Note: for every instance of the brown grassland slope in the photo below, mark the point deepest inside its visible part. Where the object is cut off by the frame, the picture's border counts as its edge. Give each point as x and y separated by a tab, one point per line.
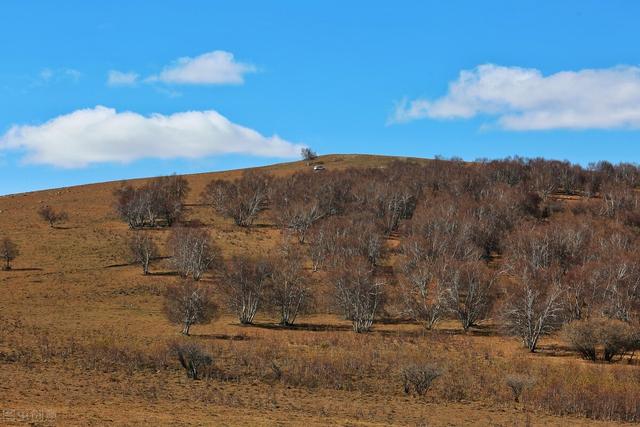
83	340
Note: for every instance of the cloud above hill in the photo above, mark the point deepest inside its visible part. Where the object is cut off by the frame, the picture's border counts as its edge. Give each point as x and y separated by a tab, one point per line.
524	99
103	135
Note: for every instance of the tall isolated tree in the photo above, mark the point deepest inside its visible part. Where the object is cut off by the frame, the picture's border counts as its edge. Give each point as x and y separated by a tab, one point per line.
8	252
308	154
142	249
245	283
189	303
193	252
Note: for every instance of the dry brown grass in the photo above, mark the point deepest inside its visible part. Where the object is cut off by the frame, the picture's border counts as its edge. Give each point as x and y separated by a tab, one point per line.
83	334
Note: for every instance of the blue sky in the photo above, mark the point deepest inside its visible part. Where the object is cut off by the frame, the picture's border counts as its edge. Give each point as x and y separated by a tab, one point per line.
258	79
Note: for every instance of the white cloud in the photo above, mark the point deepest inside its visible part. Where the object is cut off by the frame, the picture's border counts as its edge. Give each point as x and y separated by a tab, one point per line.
48	75
101	134
118	78
217	67
525	99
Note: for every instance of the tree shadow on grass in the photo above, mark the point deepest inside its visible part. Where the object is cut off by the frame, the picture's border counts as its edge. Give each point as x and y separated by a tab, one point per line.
225	337
312	327
162	273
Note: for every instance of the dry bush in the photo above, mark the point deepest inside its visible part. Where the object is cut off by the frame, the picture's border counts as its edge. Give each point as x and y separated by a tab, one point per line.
419	378
189	303
8	252
245	281
601	339
518	383
48	214
142	249
196	362
193	252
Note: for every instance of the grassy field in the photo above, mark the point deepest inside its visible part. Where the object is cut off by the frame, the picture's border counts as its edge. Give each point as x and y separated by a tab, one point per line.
82	338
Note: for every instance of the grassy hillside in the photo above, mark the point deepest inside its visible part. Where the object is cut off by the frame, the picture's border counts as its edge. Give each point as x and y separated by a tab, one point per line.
81	333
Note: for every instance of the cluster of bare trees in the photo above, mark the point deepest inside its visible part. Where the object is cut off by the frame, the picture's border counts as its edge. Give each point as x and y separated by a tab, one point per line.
192	251
242	199
158	203
464	241
565	272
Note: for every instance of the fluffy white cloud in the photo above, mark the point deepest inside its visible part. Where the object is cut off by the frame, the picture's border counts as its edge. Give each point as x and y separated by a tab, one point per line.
118	78
524	99
217	67
101	134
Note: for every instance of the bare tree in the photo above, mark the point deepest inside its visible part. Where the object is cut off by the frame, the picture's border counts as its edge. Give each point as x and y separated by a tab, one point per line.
193	252
288	291
189	303
131	206
8	252
533	307
241	200
467	289
421	293
51	216
244	281
620	286
142	249
359	293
